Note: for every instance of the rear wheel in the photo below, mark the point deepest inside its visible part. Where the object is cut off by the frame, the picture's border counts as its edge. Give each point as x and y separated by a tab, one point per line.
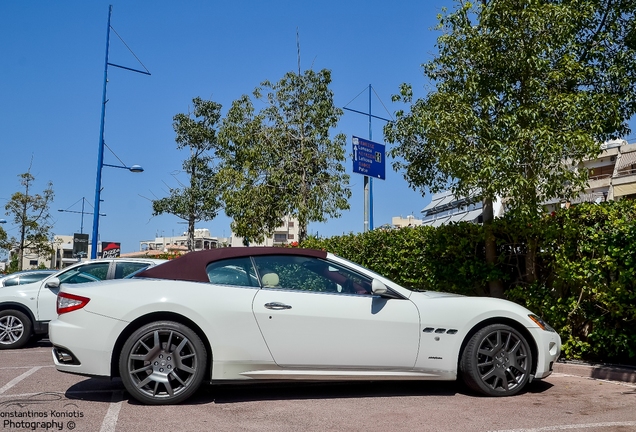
15	329
497	361
162	363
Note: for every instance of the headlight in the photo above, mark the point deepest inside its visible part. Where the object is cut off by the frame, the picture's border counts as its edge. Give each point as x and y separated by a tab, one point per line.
544	325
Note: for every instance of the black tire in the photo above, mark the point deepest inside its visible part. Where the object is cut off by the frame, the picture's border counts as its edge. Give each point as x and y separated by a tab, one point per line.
497	361
15	329
162	363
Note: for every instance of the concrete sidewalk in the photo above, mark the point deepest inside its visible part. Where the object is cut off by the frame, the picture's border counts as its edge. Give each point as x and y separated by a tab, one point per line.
606	372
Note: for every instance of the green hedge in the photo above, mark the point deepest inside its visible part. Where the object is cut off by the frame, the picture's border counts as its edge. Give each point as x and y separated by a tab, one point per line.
586	269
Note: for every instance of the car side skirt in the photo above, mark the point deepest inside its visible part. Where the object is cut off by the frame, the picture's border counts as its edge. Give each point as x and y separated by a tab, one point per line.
336	375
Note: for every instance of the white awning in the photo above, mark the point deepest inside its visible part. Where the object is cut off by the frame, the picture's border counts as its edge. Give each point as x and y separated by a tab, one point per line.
441	221
472	215
625	189
626	160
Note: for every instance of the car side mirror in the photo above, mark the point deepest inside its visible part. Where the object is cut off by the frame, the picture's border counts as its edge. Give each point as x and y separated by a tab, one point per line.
53	283
378	288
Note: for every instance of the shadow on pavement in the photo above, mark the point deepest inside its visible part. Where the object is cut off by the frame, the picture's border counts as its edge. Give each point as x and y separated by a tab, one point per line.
102	390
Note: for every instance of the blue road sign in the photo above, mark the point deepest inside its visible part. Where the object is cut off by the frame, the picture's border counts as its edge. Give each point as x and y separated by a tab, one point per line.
368	158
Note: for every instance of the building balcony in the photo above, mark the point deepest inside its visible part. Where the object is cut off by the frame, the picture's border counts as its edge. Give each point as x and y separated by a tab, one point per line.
599	181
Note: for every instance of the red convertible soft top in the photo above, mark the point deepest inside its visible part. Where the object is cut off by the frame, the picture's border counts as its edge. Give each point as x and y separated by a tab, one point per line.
191	266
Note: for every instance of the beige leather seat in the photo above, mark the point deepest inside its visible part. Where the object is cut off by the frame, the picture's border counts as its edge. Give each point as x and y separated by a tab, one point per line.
270	280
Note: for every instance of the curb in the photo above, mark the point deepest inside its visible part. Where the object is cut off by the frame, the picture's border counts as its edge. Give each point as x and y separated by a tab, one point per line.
611	373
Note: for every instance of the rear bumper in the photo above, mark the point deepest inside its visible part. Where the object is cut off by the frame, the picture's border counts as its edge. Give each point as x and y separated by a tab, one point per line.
83	342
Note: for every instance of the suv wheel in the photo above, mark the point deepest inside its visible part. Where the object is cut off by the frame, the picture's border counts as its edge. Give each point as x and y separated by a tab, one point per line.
15	329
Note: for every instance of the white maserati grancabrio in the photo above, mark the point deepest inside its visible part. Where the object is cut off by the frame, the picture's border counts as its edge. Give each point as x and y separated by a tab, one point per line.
289	314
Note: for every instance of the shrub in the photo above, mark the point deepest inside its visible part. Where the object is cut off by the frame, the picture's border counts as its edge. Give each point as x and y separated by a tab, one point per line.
585	283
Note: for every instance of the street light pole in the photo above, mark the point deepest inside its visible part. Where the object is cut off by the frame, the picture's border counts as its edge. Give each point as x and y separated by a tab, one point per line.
80	212
100	153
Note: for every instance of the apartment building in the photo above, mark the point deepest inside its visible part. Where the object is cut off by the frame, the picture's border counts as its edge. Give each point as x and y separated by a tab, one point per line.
612	176
285	234
162	244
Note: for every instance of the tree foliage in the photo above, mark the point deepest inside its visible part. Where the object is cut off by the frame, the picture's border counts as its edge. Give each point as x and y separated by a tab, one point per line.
523	91
200	198
586	273
281	160
30	214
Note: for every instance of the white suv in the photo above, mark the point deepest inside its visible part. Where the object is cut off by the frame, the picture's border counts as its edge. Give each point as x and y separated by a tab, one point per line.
25	310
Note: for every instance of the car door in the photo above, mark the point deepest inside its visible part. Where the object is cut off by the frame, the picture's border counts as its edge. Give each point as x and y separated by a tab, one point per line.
88	272
322	315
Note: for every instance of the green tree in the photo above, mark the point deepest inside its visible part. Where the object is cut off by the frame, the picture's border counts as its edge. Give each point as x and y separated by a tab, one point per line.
281	161
199	199
30	213
524	90
3	239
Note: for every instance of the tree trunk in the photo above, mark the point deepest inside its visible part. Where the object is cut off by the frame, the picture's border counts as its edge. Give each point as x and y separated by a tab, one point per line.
191	222
23	228
495	287
531	261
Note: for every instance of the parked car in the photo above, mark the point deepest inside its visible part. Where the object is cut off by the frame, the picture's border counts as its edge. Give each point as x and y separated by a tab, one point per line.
24	277
290	314
25	310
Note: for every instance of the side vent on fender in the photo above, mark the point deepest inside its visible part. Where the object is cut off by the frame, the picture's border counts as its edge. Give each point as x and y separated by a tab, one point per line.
439	330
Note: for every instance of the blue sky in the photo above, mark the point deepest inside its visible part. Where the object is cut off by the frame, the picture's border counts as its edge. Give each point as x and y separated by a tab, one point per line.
51	77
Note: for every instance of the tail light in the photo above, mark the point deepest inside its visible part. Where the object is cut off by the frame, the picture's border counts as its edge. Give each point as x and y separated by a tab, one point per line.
69	302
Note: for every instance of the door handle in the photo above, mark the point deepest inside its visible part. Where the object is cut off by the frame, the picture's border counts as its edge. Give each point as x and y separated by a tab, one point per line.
277	306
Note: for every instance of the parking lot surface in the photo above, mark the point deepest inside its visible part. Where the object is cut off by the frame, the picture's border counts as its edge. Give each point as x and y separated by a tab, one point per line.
34	396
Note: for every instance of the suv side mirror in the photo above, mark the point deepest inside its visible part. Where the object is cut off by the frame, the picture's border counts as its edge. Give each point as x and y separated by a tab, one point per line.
53	283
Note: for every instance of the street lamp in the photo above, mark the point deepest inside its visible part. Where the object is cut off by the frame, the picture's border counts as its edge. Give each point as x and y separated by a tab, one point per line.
100	154
98	191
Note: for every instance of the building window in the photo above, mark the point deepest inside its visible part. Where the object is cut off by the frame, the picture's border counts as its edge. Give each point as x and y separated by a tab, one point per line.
33	262
290	236
291	224
280	238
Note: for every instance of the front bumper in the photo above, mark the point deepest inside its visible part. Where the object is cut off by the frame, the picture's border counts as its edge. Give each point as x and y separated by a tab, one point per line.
548	350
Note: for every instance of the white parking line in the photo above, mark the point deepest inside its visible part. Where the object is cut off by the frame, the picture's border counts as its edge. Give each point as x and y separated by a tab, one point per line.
23	367
570	427
110	420
16	380
69	392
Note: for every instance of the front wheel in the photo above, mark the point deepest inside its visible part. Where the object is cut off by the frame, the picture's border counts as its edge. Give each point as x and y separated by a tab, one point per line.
162	363
15	329
497	361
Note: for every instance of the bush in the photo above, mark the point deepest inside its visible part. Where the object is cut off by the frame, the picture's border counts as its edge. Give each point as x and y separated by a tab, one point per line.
585	283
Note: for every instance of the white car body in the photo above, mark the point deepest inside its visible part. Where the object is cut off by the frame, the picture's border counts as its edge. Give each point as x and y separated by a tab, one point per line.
37	301
313	336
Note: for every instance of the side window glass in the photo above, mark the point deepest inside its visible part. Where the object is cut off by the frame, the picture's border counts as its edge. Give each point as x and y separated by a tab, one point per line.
30	278
12	281
236	271
309	274
86	273
25	279
123	269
